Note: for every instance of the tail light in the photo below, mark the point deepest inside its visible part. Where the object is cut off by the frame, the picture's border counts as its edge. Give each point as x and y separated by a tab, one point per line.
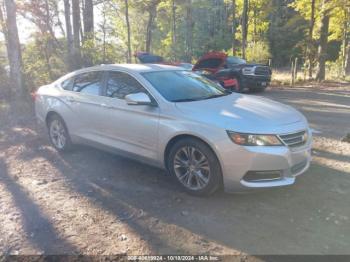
34	95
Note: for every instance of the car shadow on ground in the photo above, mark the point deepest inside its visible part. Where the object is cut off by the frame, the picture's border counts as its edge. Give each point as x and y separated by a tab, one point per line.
252	223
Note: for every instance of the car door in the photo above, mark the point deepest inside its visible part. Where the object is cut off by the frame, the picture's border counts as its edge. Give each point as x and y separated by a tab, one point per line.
131	128
87	103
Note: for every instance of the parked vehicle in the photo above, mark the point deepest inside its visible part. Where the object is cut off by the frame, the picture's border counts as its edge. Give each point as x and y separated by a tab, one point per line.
172	118
147	58
233	73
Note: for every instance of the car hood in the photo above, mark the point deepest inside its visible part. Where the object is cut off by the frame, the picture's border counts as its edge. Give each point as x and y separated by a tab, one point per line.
214	61
242	113
211	61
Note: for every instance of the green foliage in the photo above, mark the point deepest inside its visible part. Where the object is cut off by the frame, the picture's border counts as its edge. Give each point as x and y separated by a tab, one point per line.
258	52
277	29
41	65
286	33
334	68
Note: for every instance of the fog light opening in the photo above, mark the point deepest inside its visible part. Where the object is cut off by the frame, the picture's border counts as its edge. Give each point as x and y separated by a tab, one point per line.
260	176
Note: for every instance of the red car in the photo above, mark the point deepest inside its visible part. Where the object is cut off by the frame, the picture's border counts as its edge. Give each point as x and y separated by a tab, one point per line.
232	72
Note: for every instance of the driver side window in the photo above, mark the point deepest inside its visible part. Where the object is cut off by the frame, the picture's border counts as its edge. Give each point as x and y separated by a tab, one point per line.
119	84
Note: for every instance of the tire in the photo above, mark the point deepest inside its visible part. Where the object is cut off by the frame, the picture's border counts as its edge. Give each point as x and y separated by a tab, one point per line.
257	89
58	134
204	176
240	87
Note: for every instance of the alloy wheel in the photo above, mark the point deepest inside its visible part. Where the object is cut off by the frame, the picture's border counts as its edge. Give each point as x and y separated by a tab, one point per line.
58	134
192	168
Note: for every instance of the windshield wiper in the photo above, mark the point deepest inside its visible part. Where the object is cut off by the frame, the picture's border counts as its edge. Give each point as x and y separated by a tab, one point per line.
214	96
202	98
184	100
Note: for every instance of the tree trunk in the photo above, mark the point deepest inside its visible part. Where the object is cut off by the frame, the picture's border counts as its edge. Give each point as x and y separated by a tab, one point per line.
58	17
76	33
254	24
104	55
69	34
128	30
3	27
322	49
347	60
88	19
189	31
53	41
151	16
244	27
233	27
14	54
346	43
311	30
2	20
173	39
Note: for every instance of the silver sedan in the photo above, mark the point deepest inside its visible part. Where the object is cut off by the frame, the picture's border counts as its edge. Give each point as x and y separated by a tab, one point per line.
203	135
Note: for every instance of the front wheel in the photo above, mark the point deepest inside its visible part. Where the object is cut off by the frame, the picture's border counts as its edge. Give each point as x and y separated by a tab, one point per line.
58	134
195	167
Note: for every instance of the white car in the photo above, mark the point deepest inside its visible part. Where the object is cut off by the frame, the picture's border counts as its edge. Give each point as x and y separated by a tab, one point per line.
172	118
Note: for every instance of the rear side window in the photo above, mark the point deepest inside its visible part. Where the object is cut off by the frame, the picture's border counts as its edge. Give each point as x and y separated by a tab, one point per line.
121	84
67	84
88	83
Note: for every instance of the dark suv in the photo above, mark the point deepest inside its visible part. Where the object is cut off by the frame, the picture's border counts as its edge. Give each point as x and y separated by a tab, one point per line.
232	72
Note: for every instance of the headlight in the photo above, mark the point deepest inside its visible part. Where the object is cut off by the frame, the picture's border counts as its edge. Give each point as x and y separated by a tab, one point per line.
254	140
248	70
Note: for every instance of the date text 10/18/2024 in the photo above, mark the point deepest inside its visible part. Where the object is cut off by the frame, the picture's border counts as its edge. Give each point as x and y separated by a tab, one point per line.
174	258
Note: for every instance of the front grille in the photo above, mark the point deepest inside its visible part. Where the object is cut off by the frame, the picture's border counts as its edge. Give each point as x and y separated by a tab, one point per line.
294	139
262	71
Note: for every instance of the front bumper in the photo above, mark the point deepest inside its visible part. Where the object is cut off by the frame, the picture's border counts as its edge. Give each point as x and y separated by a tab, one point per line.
287	162
252	81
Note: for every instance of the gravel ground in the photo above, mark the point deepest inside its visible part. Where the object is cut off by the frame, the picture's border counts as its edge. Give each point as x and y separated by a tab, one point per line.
92	202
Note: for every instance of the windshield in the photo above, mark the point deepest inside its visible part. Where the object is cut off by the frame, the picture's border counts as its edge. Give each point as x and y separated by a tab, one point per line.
184	86
232	60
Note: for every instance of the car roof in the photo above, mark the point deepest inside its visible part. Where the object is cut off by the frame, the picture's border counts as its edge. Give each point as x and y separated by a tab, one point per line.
140	68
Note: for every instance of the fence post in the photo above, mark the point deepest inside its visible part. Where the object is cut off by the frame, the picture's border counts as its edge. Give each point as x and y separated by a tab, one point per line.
292	73
295	69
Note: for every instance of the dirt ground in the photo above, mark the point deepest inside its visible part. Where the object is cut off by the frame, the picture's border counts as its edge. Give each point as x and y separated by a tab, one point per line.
92	202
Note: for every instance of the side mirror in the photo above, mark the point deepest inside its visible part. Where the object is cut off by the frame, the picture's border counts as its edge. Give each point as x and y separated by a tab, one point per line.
138	99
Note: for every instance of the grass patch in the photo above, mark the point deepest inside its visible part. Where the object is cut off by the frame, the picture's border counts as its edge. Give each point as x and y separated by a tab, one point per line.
283	77
346	138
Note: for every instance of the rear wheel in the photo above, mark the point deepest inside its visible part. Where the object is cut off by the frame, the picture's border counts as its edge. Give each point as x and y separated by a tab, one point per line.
195	167
58	134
